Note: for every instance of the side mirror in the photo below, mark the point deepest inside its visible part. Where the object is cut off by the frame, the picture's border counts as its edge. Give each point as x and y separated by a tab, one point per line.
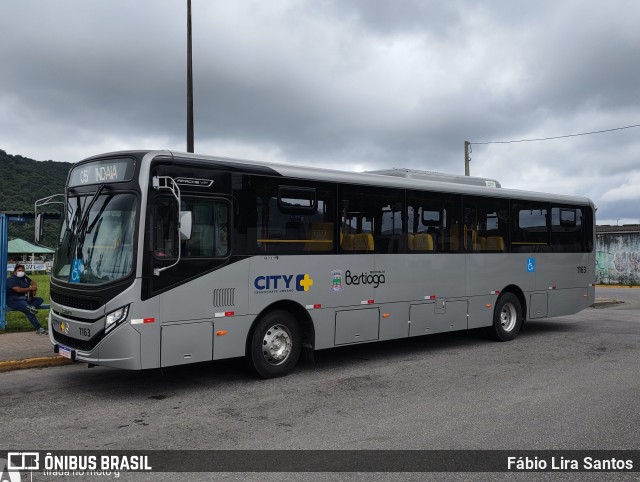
39	228
185	225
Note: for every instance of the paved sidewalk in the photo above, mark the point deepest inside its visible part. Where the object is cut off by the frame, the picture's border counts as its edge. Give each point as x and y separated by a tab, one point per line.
30	350
27	350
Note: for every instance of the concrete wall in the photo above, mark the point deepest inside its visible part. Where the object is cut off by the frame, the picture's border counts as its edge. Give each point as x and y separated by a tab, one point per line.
618	258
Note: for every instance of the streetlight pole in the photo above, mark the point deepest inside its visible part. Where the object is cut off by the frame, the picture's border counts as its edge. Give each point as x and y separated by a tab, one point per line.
189	83
466	158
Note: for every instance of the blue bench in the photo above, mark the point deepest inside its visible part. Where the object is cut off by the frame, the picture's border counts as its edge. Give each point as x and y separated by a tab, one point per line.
3	321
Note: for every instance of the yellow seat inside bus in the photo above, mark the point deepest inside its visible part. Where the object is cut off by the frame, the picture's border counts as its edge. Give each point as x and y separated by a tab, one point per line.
494	243
475	241
363	242
421	242
321	237
357	242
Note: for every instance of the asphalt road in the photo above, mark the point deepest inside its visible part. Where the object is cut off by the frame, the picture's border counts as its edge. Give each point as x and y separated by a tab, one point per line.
564	383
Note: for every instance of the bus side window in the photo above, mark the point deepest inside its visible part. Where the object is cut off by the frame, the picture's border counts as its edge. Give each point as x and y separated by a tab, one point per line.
530	232
291	218
486	224
566	230
165	232
371	220
432	222
209	232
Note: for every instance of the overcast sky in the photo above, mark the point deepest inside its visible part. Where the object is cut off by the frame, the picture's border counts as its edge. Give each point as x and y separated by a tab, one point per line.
355	85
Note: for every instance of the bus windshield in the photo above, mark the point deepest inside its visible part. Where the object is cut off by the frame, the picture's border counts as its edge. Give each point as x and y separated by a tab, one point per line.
97	238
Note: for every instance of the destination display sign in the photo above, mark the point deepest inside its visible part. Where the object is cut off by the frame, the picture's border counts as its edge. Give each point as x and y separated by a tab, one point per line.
103	171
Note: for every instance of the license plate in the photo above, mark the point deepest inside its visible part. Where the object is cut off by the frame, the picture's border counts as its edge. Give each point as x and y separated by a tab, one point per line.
65	352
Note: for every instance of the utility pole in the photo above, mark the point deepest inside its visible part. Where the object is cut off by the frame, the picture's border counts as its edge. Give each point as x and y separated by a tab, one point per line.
189	83
466	158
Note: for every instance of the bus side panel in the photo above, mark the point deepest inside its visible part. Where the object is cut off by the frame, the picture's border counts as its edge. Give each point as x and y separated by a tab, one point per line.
188	302
346	280
562	270
324	326
422	317
566	278
416	277
538	305
568	301
320	284
230	336
149	332
481	310
492	272
183	343
394	320
451	315
189	311
198	299
413	279
356	326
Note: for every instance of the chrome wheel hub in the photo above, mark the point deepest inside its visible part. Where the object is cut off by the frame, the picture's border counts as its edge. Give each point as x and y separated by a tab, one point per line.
508	317
276	344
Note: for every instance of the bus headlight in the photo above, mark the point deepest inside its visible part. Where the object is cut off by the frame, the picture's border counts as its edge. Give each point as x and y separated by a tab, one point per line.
115	318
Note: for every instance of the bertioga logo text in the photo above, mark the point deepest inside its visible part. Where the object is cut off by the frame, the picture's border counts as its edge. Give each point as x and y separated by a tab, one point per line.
375	278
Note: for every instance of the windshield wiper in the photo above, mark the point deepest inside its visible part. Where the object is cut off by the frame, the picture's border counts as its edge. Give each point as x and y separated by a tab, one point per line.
85	217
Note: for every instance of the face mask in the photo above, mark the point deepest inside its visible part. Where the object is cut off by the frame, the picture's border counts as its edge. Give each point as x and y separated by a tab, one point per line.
20	274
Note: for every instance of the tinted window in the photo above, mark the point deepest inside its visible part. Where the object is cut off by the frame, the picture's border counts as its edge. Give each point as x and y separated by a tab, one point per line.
297	217
567	229
371	220
530	231
486	224
209	234
433	222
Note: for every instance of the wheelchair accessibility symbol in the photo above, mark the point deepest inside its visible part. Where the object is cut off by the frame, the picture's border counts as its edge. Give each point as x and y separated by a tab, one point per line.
531	265
76	271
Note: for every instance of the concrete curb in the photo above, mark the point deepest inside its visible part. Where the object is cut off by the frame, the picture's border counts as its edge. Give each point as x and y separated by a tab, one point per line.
605	303
41	362
622	287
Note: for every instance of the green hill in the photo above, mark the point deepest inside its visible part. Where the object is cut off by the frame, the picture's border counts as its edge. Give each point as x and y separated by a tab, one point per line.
22	182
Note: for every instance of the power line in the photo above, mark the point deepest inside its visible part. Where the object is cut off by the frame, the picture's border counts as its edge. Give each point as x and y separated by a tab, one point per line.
557	137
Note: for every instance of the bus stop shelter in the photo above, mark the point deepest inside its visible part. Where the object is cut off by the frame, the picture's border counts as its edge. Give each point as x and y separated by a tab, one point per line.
17	246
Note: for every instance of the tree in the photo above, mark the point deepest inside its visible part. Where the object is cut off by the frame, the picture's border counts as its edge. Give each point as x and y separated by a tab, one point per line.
24	181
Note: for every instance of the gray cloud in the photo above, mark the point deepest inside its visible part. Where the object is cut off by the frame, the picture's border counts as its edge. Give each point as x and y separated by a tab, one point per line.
354	84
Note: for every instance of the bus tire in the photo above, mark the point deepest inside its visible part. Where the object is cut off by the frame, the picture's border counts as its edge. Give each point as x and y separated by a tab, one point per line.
275	345
507	318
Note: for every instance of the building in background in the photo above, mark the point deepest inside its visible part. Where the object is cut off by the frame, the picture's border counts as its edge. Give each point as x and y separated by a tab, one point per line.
618	255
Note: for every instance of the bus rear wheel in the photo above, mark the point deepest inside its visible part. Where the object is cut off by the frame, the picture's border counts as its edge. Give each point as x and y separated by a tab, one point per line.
507	318
275	345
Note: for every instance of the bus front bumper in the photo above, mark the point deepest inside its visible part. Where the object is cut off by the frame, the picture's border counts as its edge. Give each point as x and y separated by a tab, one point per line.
119	349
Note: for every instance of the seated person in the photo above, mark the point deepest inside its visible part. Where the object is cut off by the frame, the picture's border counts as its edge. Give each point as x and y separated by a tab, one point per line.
21	291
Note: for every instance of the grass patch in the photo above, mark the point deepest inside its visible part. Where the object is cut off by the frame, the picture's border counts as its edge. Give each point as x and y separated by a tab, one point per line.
17	321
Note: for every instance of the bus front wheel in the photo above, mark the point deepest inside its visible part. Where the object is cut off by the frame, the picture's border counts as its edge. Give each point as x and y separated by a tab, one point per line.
275	345
507	318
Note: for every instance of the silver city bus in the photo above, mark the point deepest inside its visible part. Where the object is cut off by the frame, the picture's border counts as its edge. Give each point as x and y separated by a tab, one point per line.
168	258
